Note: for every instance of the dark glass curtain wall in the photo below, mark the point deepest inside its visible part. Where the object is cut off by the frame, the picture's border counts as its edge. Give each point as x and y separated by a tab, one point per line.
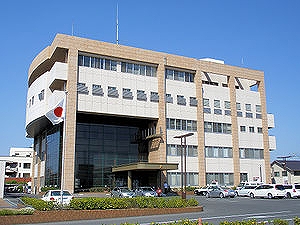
98	148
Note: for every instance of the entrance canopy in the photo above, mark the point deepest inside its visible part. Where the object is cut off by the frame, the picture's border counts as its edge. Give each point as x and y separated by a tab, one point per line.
145	166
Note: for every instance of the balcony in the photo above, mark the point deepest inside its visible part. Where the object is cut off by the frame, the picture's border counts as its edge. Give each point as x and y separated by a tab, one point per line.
272	143
271	123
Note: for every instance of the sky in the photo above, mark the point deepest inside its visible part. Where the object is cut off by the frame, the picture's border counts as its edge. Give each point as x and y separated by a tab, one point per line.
257	34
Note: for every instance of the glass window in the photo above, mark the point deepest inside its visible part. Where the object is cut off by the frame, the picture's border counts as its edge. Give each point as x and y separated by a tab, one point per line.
183	122
217	104
107	64
251	129
180	76
86	61
259	130
169	74
258	108
148	71
248	107
205	102
243	128
129	67
238	106
142	70
239	114
136	69
227	105
172	124
217	127
208	127
249	115
178	124
80	60
113	65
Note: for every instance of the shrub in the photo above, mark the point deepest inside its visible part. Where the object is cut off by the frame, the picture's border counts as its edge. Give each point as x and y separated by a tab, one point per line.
10	212
296	220
44	189
280	222
99	189
39	204
125	203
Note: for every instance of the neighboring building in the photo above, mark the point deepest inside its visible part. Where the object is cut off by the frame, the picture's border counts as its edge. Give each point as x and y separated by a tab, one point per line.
125	105
18	163
286	171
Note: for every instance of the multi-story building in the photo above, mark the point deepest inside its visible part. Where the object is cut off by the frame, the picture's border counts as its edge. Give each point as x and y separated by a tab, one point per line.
124	108
18	163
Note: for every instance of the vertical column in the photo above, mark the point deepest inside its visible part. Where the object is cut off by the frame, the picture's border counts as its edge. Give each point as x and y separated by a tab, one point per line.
160	154
70	120
200	129
234	130
261	90
2	178
129	179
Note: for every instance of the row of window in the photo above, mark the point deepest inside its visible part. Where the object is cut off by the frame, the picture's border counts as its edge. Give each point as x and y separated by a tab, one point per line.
214	127
108	64
179	75
175	150
179	124
251	129
227	105
113	92
216	152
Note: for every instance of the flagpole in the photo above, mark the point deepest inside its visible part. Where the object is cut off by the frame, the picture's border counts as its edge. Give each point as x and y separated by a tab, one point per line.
63	148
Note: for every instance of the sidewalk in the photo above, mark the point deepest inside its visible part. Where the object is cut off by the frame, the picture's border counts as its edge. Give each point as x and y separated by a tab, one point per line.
5	204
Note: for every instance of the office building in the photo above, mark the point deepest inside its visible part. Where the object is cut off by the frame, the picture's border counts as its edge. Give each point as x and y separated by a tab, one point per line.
125	105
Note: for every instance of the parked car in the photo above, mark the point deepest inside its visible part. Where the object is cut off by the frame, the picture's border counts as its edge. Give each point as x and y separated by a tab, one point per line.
145	191
55	196
219	192
203	190
268	191
292	190
244	191
122	192
250	183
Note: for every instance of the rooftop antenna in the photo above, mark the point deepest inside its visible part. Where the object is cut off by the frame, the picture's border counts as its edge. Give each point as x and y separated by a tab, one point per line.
117	20
72	29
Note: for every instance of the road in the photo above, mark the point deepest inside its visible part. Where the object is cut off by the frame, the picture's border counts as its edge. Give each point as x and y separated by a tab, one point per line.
216	210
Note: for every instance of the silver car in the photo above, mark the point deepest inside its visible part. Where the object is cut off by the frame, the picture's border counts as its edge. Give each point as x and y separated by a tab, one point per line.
145	191
219	192
122	192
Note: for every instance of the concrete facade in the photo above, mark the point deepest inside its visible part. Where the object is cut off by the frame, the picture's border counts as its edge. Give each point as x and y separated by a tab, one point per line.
214	81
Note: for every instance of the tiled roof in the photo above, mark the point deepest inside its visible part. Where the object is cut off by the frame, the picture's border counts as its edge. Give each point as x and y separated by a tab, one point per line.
291	165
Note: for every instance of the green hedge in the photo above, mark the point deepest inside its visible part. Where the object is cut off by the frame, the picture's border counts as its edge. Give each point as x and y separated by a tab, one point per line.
113	203
39	204
11	212
125	203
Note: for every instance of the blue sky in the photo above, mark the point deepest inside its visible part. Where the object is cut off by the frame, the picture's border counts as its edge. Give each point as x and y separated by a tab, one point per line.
256	34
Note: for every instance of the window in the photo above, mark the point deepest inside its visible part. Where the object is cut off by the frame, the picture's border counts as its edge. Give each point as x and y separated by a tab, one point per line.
284	173
227	105
276	174
169	98
42	95
250	153
243	128
258	108
259	130
179	75
112	92
248	107
97	90
193	101
82	88
154	97
206	102
239	114
258	116
179	124
127	94
238	106
207	110
217	104
249	115
181	100
141	95
218	152
208	127
251	129
218	111
26	166
227	112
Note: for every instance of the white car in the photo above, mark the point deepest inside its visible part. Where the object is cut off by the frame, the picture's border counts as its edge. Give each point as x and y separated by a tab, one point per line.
203	190
145	191
244	191
55	196
122	192
268	191
292	190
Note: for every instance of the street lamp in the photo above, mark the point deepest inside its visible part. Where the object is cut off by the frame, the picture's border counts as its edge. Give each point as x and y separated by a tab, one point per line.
183	156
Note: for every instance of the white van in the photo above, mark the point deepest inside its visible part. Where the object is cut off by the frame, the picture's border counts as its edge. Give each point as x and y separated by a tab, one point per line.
249	183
